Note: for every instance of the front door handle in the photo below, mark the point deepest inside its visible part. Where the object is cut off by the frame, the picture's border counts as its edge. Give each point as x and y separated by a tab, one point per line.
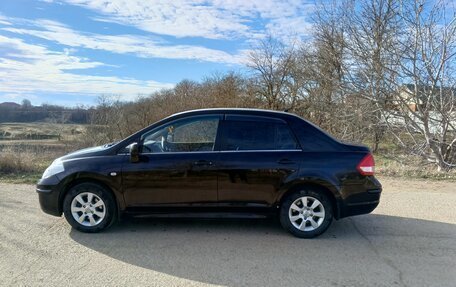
285	161
202	162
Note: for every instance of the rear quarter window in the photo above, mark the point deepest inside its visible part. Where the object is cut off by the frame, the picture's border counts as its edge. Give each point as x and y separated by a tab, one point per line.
313	139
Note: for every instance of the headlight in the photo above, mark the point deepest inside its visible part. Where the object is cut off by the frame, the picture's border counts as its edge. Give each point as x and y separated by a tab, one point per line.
55	168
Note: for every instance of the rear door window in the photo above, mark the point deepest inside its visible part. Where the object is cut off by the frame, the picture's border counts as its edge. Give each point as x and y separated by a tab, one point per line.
248	134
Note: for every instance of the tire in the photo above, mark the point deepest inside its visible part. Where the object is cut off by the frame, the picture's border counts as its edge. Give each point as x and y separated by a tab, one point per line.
306	222
89	207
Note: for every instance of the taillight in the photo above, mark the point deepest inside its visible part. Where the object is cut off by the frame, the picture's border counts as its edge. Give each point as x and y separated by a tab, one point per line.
367	165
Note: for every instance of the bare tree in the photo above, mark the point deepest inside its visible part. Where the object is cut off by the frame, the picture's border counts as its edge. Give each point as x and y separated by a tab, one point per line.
107	121
427	105
323	66
226	90
373	29
26	104
271	62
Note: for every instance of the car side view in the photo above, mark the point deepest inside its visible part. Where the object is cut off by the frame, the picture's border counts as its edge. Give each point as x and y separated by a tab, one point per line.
216	163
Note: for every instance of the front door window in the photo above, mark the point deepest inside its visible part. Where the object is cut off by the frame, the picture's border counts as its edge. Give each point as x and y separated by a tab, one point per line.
188	135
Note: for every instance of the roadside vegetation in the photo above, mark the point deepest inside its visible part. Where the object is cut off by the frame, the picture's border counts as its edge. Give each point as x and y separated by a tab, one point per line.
30	147
377	72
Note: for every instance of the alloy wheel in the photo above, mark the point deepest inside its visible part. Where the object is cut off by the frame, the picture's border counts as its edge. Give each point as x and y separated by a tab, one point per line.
88	209
306	213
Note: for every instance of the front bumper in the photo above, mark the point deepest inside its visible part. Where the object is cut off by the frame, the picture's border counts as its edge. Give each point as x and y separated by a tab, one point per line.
49	195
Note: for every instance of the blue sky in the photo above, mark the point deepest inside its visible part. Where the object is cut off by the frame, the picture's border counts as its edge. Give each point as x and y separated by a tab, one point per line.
71	51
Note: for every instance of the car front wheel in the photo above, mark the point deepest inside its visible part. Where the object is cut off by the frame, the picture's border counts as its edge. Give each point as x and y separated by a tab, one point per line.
306	213
89	207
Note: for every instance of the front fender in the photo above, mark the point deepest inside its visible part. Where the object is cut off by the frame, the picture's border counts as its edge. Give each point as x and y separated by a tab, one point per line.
113	183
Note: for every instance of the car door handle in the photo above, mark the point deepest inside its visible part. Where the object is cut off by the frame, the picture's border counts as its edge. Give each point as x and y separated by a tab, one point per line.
202	162
285	161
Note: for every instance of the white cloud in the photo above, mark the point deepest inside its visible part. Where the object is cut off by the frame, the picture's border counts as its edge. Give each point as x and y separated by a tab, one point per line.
295	29
178	18
217	19
27	69
19	96
147	47
4	20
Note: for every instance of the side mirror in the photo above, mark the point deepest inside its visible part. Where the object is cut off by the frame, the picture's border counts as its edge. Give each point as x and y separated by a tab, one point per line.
134	152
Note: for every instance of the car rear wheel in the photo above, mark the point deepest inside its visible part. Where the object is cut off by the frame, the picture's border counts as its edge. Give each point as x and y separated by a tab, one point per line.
306	213
89	207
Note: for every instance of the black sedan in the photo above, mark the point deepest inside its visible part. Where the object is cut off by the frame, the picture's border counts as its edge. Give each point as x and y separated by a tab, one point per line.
216	163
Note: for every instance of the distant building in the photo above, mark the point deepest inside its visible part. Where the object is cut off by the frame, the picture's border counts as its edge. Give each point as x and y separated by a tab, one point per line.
424	98
409	104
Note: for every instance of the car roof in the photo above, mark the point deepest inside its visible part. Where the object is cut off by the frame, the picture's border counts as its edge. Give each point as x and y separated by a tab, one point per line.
245	111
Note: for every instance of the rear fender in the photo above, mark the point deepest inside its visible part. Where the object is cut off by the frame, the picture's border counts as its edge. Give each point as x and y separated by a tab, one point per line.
331	189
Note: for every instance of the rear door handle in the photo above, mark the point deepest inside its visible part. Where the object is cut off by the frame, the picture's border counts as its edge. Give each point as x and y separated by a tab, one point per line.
202	162
285	161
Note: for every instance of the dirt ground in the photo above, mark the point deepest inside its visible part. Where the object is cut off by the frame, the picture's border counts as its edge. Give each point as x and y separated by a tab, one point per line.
409	240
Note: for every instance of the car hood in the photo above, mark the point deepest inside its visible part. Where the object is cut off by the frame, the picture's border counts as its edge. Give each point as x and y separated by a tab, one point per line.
87	152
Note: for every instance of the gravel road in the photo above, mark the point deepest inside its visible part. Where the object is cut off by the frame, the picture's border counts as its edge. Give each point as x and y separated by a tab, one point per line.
409	240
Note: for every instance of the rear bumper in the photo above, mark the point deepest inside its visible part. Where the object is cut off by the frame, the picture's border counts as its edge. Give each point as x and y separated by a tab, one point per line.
49	196
361	199
359	208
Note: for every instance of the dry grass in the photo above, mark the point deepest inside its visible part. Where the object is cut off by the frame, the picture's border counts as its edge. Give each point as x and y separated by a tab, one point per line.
22	167
23	159
10	163
407	166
